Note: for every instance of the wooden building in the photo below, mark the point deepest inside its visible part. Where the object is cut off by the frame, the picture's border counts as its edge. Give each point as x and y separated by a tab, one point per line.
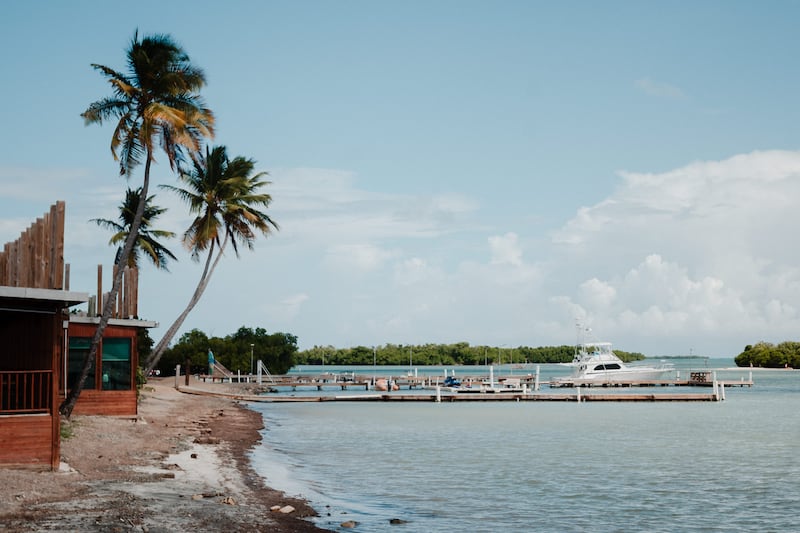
34	299
110	388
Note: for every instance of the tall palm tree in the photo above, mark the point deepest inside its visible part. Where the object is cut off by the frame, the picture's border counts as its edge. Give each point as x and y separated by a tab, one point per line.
156	105
147	241
225	197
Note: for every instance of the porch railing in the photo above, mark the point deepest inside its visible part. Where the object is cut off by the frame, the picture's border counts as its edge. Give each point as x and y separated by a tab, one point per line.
25	392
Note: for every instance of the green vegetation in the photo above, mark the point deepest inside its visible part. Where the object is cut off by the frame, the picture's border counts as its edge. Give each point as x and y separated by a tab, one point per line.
279	352
276	350
67	429
442	354
157	107
767	355
225	197
147	242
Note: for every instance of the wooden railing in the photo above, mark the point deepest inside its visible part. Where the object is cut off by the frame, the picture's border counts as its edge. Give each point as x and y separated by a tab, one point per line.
25	392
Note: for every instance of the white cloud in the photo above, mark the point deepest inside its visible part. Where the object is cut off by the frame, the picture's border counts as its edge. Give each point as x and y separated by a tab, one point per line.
414	271
598	294
505	249
713	242
701	256
328	207
659	89
360	257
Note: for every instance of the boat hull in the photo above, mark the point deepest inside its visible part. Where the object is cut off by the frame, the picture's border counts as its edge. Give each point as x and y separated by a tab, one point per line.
622	376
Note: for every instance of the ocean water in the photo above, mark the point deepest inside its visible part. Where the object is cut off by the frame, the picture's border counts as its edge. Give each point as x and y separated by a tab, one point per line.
540	466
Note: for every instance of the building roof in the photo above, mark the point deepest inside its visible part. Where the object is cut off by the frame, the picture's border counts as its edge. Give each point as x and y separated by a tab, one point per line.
45	300
130	322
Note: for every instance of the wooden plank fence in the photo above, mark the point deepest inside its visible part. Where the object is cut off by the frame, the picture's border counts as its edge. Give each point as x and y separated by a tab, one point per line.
36	259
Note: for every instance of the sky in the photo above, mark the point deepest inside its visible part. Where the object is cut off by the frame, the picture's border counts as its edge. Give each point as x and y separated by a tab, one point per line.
443	171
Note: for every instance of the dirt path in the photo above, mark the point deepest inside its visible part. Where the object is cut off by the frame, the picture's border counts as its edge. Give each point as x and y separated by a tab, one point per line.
179	466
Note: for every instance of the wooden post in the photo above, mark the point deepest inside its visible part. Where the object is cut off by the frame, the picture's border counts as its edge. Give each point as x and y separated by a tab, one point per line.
100	298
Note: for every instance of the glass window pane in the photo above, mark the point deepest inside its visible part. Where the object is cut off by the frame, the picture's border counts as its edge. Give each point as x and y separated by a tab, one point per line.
78	350
116	349
116	364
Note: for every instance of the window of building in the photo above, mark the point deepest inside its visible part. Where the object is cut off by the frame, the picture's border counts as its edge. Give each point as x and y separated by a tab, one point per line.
78	350
116	364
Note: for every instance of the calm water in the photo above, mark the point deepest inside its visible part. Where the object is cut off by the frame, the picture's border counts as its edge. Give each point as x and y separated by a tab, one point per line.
541	466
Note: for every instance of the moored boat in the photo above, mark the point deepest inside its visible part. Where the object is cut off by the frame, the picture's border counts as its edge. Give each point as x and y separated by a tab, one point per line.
596	362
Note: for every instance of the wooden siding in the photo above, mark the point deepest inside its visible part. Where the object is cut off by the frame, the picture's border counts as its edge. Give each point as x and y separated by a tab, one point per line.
27	440
36	259
107	403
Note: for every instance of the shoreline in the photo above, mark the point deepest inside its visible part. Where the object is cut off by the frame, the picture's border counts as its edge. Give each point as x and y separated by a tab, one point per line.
182	464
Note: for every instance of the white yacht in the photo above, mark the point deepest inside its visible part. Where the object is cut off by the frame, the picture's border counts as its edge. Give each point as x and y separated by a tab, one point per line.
596	362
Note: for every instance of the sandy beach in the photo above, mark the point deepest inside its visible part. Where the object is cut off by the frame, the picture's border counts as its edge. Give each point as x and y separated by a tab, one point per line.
181	465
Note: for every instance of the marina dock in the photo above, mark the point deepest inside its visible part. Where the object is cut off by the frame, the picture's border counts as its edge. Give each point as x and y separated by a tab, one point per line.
468	382
474	388
440	397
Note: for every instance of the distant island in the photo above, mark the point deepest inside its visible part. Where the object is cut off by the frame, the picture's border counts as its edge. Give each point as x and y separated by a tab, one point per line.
460	353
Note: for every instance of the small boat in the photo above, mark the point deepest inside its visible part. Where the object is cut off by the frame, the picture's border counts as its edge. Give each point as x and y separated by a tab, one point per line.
386	385
596	362
451	381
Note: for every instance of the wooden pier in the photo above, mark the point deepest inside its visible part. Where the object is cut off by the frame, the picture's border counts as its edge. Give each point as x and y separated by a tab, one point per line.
442	397
470	383
517	388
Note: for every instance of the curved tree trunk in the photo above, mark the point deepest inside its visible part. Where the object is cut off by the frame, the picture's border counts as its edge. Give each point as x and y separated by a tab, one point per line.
108	307
162	345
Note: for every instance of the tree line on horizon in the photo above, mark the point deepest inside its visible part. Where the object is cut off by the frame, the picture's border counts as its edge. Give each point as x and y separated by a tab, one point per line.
236	351
279	352
460	353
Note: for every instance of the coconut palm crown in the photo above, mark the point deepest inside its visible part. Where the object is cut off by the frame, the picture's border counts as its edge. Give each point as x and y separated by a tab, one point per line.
224	195
156	103
226	198
147	241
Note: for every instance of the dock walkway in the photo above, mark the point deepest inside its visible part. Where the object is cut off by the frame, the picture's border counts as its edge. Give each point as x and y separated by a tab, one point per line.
439	396
473	388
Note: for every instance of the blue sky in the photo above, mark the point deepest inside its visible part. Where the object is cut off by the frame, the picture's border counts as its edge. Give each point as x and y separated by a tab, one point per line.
452	170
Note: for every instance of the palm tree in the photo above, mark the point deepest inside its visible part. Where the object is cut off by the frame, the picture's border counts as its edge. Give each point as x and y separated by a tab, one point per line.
146	242
156	104
225	198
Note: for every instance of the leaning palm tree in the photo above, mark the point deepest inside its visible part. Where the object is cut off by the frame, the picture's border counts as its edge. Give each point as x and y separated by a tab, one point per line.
156	104
225	197
147	241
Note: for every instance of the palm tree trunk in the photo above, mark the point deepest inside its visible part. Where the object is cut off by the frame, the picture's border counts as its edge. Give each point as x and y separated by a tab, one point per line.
108	307
208	270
